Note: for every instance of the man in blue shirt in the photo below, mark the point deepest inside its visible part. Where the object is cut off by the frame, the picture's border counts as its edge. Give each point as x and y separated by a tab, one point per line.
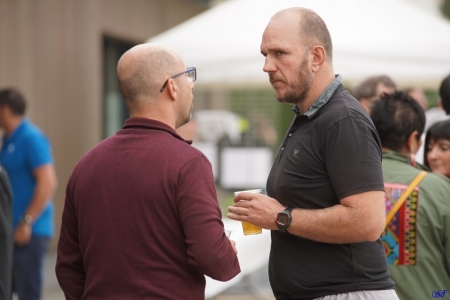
27	157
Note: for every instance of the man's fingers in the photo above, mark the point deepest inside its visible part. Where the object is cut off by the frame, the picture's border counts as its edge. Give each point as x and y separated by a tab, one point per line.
237	213
243	203
244	196
238	210
233	217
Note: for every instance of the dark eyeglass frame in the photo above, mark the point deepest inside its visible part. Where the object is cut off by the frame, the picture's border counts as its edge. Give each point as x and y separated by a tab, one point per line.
188	70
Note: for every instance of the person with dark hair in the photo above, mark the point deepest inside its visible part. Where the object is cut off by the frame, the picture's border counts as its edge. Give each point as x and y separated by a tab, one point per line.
6	238
437	148
26	155
141	218
325	199
442	111
436	114
407	121
444	95
371	89
416	238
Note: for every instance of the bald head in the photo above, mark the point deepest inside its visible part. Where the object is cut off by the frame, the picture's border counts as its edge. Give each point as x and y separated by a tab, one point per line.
312	29
141	72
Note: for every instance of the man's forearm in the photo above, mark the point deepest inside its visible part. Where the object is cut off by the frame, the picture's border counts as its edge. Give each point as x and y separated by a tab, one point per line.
337	224
340	223
44	189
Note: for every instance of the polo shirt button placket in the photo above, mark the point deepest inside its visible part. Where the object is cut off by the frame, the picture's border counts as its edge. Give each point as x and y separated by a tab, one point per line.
290	134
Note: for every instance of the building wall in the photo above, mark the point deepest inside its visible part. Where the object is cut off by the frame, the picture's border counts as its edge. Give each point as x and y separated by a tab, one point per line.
52	51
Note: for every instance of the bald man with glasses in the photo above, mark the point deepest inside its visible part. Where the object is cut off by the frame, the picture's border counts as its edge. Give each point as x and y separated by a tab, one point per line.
141	218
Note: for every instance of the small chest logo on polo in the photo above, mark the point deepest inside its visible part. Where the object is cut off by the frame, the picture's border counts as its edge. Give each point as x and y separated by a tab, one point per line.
296	151
11	148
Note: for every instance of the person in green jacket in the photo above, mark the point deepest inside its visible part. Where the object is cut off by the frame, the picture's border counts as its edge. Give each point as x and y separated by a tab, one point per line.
417	238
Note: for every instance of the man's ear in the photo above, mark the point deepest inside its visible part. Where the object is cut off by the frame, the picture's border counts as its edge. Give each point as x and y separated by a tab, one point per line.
319	56
413	143
173	88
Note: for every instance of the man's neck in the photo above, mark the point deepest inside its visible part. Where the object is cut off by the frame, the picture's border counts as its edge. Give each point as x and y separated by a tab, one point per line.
319	85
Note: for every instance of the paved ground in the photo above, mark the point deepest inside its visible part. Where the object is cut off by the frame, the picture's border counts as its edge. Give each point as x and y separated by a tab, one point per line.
52	291
253	287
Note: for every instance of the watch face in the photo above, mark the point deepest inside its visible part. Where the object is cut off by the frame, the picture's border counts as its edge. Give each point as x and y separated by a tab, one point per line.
282	219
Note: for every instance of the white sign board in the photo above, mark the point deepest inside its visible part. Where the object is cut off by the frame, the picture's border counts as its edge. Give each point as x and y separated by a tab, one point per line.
245	167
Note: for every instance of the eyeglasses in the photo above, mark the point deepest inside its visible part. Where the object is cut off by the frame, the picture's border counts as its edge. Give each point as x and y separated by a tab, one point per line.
191	75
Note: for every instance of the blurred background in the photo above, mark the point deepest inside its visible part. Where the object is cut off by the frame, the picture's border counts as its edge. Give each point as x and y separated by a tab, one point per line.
62	54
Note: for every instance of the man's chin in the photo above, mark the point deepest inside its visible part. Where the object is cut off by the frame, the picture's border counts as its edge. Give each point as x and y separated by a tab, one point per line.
279	95
283	98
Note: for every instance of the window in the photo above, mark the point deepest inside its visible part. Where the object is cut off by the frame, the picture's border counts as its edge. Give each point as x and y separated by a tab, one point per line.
114	110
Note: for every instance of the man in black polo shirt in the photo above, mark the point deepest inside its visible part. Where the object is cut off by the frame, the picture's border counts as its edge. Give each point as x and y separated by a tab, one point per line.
326	207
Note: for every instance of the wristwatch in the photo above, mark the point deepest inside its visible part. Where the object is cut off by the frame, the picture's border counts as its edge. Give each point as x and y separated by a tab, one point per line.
284	219
27	219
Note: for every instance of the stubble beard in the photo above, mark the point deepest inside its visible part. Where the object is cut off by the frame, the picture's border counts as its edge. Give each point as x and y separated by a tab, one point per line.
187	118
190	113
301	88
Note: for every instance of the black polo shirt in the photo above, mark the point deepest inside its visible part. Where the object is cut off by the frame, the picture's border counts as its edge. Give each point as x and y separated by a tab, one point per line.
331	152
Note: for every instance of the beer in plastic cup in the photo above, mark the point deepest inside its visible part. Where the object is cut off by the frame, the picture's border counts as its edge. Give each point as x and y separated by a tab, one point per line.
246	226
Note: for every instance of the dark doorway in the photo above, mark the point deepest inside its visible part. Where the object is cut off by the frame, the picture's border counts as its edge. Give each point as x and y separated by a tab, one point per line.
114	110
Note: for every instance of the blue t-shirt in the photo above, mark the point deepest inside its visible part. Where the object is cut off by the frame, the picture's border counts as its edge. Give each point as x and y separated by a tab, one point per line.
23	151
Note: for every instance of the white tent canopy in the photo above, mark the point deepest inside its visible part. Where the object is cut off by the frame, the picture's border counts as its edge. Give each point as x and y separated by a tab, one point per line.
389	37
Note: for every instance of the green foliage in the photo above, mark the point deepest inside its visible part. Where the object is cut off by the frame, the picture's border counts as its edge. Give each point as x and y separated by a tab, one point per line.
446	8
432	96
226	200
262	102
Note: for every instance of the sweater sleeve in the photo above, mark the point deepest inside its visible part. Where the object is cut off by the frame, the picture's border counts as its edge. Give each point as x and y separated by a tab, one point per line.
209	250
69	265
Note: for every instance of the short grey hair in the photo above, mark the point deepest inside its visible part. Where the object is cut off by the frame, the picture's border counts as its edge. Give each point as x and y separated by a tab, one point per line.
313	29
368	87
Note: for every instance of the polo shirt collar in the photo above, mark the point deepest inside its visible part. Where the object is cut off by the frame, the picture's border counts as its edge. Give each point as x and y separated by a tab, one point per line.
323	98
144	123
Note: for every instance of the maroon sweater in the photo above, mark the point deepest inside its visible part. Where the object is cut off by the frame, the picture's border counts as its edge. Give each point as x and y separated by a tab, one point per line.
141	220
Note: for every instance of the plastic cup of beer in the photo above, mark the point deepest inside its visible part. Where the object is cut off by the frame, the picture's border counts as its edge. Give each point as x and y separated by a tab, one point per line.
249	228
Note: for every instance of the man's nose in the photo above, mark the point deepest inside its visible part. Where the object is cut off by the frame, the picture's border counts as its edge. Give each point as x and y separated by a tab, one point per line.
269	66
